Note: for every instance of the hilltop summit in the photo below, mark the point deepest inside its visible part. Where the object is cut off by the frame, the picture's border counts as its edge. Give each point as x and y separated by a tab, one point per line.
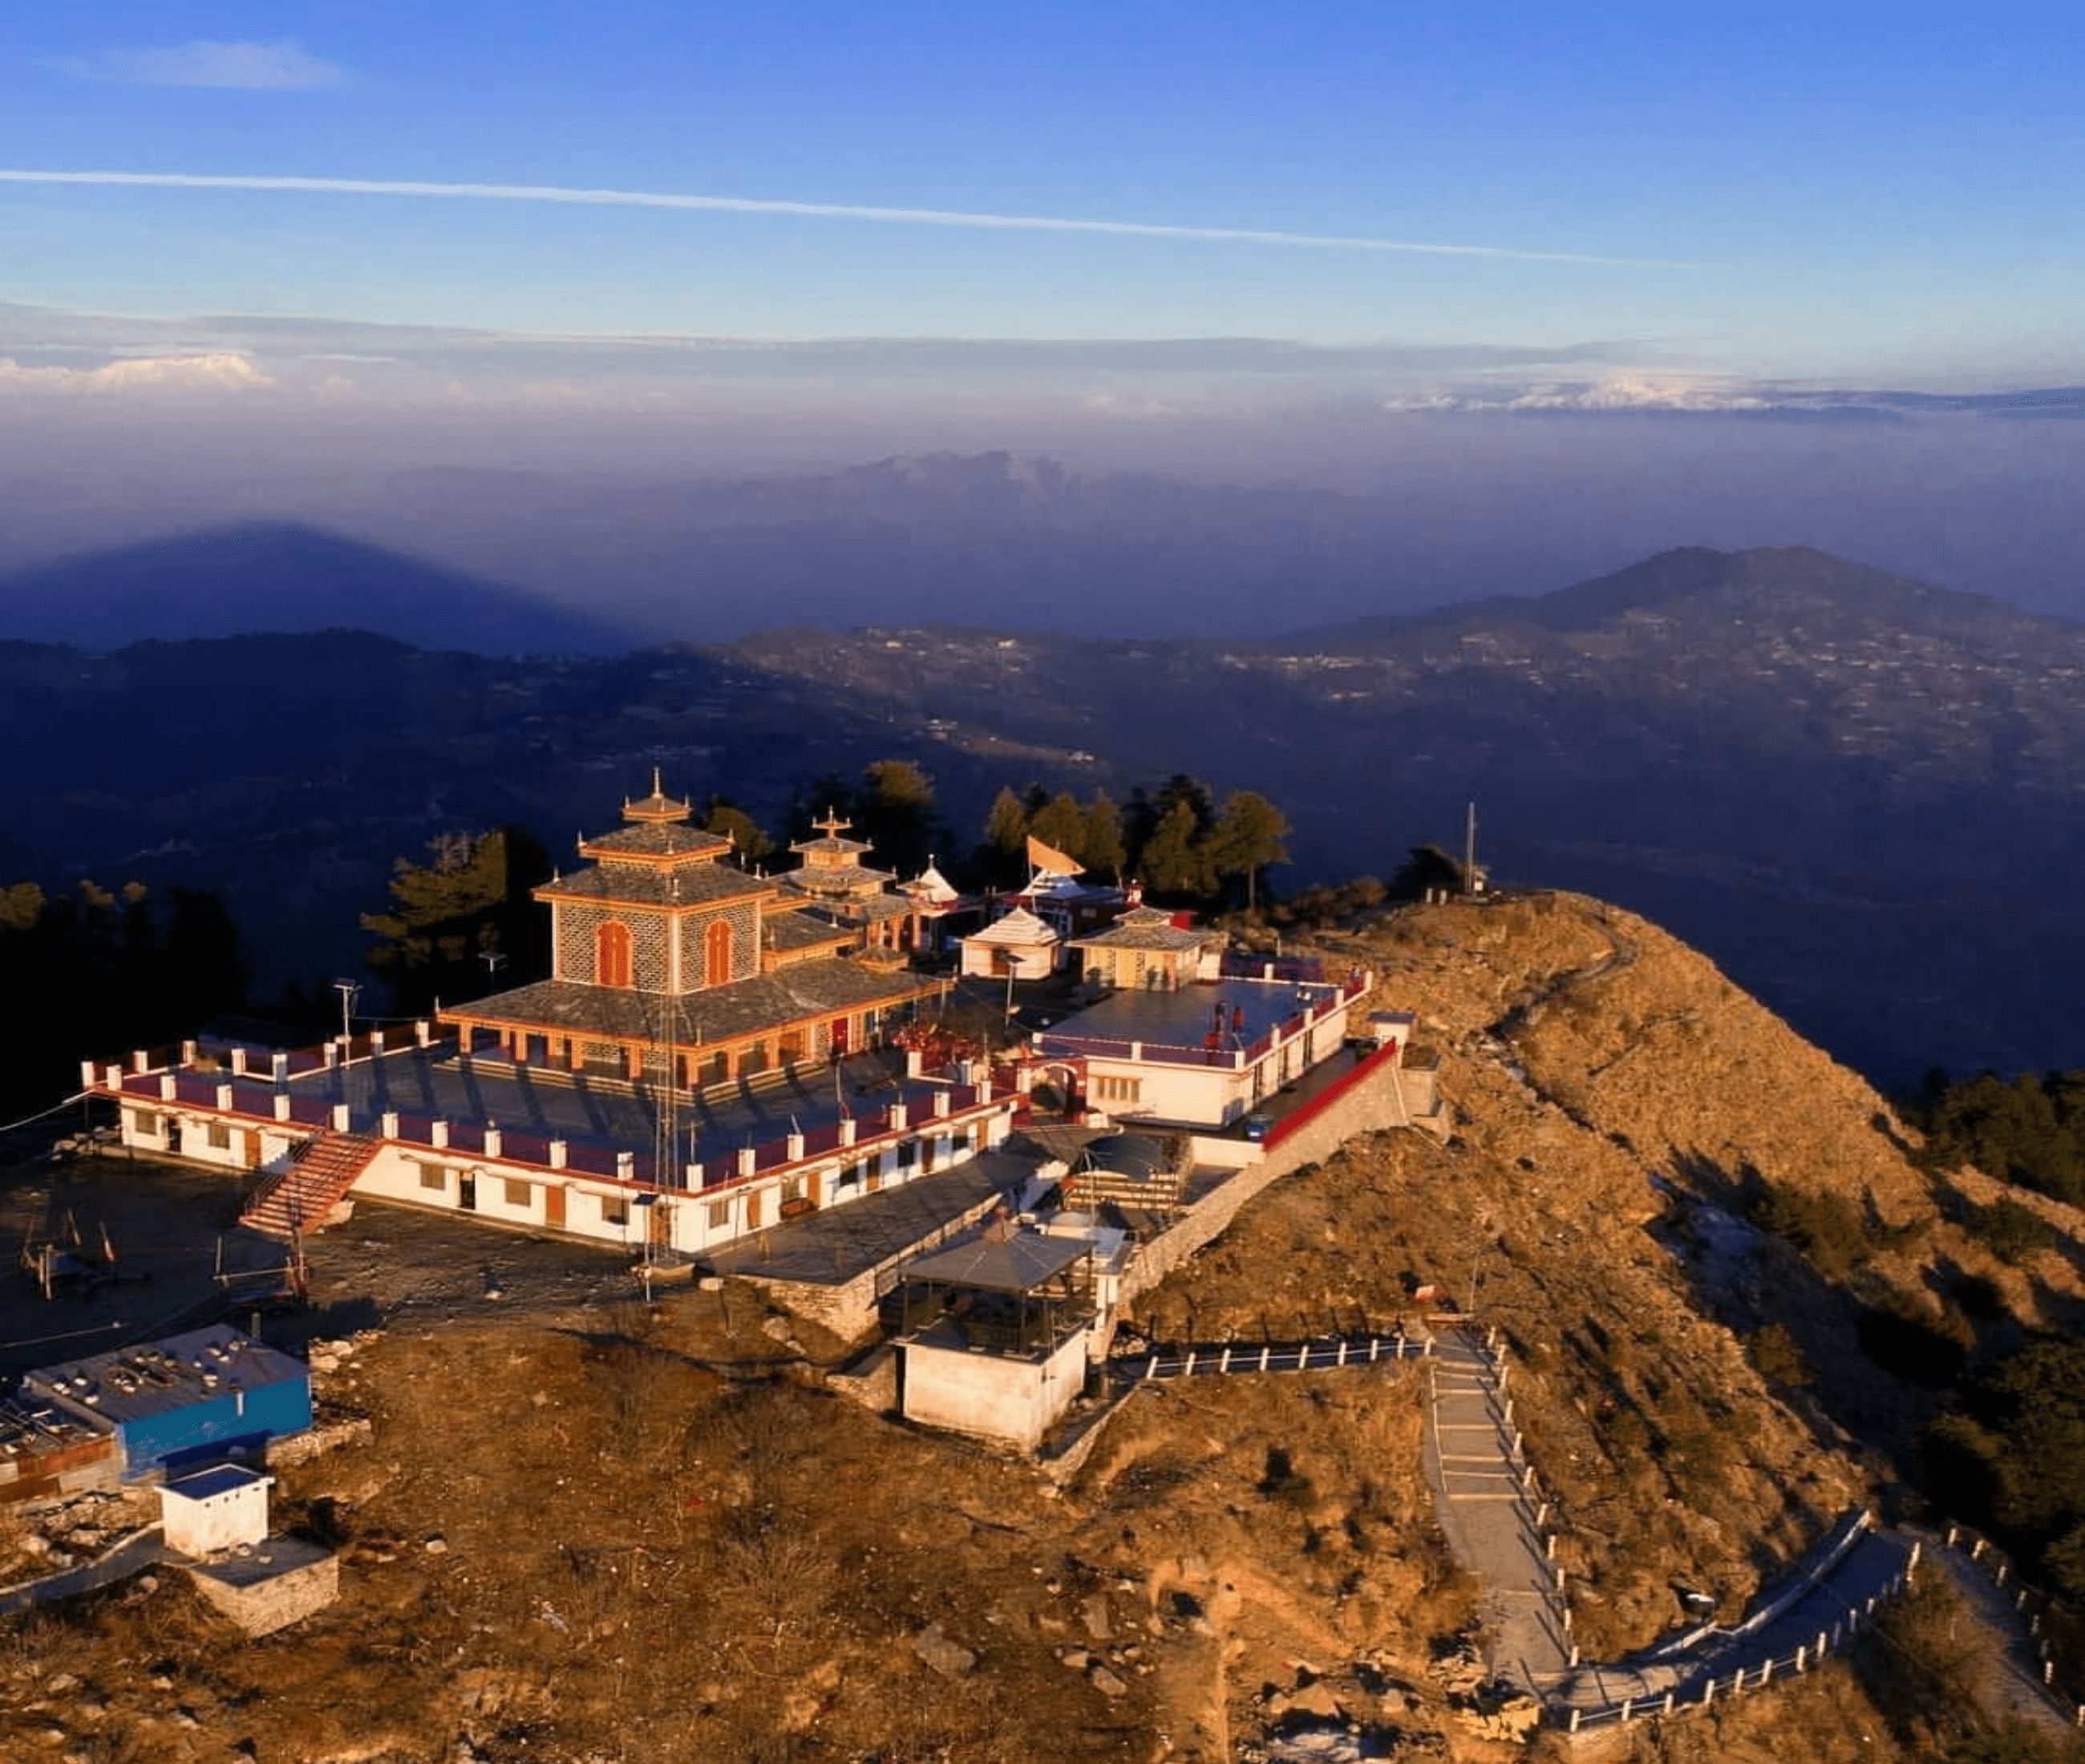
1724	1272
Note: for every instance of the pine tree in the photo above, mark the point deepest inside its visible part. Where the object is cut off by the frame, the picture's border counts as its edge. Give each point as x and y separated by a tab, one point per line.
1173	861
1061	823
748	843
1103	849
1006	827
1246	837
895	813
470	902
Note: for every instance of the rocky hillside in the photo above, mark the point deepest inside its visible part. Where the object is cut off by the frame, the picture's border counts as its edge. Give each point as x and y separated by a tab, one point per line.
607	1533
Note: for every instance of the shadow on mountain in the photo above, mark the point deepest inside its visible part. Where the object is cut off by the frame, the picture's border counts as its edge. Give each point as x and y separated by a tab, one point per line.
279	577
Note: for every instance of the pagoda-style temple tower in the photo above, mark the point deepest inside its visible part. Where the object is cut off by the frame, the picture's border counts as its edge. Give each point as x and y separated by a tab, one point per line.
846	891
669	961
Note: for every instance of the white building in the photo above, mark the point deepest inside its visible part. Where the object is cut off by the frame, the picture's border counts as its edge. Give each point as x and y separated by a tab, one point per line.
1016	944
216	1509
1204	1055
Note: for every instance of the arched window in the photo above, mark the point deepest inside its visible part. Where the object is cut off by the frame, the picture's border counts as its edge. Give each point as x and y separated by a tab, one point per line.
716	953
611	955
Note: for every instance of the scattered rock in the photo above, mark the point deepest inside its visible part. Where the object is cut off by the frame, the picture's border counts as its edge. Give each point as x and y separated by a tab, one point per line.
1106	1683
436	1545
1094	1614
949	1658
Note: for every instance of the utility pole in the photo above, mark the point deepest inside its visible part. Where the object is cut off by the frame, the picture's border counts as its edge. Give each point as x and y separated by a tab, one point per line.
1469	851
349	990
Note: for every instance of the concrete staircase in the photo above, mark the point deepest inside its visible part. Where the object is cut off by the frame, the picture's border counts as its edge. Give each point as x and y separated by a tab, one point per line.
301	1196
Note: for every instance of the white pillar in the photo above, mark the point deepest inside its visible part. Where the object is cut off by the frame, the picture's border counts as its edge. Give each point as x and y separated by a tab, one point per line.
140	1060
340	1118
901	1118
386	1123
282	1100
224	1096
438	1133
559	1149
492	1139
847	1129
278	1067
941	1102
792	1148
625	1166
238	1058
422	1033
168	1091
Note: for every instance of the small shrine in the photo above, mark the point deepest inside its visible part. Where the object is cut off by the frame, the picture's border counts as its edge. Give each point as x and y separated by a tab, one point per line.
1148	946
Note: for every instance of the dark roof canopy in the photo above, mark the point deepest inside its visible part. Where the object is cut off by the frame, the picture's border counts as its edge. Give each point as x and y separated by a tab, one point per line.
1016	1264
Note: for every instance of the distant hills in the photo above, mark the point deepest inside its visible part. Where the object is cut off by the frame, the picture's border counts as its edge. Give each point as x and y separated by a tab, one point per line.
1859	792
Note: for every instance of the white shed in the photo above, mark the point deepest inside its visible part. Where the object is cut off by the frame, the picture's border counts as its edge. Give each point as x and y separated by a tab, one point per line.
216	1509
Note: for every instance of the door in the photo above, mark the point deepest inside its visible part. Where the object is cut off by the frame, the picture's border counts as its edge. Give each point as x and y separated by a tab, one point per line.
553	1206
661	1234
467	1191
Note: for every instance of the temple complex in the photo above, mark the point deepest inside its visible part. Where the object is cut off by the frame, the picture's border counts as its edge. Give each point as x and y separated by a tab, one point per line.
668	961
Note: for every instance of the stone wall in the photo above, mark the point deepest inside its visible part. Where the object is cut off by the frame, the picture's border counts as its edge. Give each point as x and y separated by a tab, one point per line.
1389	1097
300	1579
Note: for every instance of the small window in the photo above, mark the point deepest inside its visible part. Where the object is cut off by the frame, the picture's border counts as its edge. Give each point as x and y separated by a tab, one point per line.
720	1215
220	1136
614	1209
433	1176
521	1194
145	1125
908	1154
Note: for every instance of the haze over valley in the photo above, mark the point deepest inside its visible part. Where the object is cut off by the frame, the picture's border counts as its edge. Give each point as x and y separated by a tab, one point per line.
1856	791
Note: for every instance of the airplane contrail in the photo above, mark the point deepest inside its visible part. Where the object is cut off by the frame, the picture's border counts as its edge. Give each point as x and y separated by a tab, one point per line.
742	205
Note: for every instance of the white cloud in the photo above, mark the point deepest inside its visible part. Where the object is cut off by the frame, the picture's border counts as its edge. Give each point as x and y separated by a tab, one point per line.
148	374
280	66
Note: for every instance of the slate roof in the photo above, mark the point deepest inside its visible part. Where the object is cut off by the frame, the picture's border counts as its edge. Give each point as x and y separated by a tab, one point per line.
658	839
1019	927
836	879
931	885
1018	1264
697	884
803	989
1146	936
788	931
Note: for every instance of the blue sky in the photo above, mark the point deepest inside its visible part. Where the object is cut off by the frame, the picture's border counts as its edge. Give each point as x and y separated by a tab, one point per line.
1674	207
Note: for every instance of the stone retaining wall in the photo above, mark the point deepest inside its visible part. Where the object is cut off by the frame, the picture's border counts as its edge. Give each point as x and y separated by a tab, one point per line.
1380	1101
